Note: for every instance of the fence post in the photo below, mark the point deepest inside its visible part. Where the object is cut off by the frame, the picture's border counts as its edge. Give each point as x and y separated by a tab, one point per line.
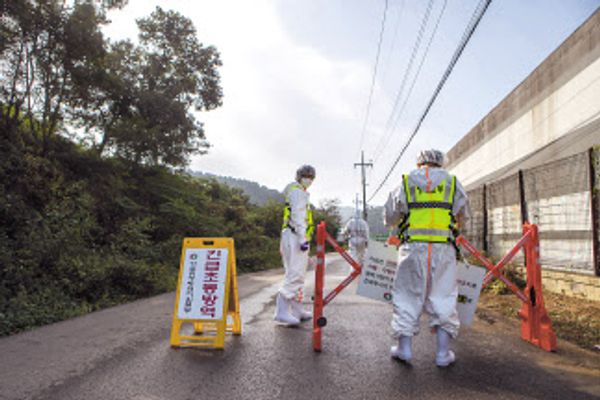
523	203
594	211
523	206
485	220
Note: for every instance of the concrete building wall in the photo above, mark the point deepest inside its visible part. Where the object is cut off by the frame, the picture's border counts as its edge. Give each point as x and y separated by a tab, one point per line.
531	158
558	99
575	104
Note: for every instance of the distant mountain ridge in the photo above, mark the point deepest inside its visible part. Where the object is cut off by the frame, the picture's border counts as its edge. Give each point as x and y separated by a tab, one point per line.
258	194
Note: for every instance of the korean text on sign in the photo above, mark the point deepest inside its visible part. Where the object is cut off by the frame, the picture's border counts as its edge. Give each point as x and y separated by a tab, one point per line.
203	287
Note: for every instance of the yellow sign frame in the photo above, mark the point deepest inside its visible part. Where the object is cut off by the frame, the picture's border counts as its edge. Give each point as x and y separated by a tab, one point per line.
209	333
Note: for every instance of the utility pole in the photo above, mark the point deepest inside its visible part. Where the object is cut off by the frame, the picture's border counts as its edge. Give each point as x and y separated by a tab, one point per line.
362	165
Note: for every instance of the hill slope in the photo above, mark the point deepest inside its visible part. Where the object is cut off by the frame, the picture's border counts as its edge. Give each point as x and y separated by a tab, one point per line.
258	194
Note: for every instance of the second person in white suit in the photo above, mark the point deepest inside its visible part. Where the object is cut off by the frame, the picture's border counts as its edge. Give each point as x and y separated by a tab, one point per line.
296	233
356	231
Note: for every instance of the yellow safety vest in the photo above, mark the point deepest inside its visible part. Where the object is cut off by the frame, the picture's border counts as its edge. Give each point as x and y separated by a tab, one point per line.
430	216
287	211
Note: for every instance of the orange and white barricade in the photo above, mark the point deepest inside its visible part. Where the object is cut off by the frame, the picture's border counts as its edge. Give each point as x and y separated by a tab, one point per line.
319	321
536	326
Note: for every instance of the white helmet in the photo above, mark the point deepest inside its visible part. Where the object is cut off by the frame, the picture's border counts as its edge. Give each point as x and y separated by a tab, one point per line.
306	171
432	156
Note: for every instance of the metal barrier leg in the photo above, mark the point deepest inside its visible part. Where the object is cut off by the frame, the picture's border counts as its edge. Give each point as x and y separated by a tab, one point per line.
318	318
536	326
320	301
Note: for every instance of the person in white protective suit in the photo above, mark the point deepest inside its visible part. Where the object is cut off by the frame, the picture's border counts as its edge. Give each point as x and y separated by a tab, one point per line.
356	231
428	207
296	232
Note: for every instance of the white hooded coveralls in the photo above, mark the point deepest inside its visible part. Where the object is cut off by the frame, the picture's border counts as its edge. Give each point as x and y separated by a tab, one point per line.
357	230
295	260
426	274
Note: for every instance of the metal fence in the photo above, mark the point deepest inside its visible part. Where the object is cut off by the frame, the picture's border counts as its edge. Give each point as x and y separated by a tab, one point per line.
561	197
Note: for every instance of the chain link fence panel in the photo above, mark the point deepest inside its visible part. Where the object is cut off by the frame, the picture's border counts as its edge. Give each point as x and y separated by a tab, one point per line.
558	199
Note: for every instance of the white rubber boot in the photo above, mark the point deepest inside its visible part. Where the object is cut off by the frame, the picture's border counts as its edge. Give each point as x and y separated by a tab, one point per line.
404	349
444	355
299	312
282	311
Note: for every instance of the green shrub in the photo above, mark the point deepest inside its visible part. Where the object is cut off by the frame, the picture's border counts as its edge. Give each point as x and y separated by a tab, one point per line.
79	233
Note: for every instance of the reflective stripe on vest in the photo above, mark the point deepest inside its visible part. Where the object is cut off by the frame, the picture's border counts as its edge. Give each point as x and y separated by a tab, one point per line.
429	213
287	211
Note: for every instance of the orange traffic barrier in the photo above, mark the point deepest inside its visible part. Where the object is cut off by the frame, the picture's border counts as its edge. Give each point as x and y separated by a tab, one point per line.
319	321
393	241
536	327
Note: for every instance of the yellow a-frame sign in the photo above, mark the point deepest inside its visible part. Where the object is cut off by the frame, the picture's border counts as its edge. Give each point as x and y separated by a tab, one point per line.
207	293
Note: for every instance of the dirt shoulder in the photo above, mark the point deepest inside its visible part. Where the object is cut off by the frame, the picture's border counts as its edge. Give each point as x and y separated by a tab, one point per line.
573	319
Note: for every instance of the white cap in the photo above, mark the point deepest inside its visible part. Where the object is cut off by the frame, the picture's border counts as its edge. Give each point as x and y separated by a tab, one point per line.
305	171
432	156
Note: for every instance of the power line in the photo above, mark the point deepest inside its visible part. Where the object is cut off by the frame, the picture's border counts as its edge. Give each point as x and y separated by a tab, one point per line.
413	55
364	128
473	23
383	142
477	15
394	38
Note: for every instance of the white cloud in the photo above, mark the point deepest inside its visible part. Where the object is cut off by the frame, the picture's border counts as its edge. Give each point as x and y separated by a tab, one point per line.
287	103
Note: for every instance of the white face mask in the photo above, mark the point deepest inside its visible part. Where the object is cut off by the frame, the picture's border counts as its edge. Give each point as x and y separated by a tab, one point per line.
305	182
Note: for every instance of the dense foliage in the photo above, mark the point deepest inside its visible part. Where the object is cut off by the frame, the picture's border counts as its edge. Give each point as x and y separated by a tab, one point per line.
78	233
92	133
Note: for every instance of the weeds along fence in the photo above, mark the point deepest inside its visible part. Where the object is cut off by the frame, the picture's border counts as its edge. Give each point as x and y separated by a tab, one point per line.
561	197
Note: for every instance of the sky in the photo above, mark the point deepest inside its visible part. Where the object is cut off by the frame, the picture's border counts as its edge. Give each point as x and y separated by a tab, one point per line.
297	75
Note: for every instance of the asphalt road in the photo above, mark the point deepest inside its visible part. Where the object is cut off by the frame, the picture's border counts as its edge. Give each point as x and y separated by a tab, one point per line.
124	353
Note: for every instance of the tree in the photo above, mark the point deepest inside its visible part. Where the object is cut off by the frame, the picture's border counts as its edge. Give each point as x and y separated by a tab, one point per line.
146	114
137	102
328	211
48	49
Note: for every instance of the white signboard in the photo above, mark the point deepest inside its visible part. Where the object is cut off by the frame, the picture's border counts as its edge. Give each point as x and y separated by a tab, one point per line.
377	277
469	279
202	288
